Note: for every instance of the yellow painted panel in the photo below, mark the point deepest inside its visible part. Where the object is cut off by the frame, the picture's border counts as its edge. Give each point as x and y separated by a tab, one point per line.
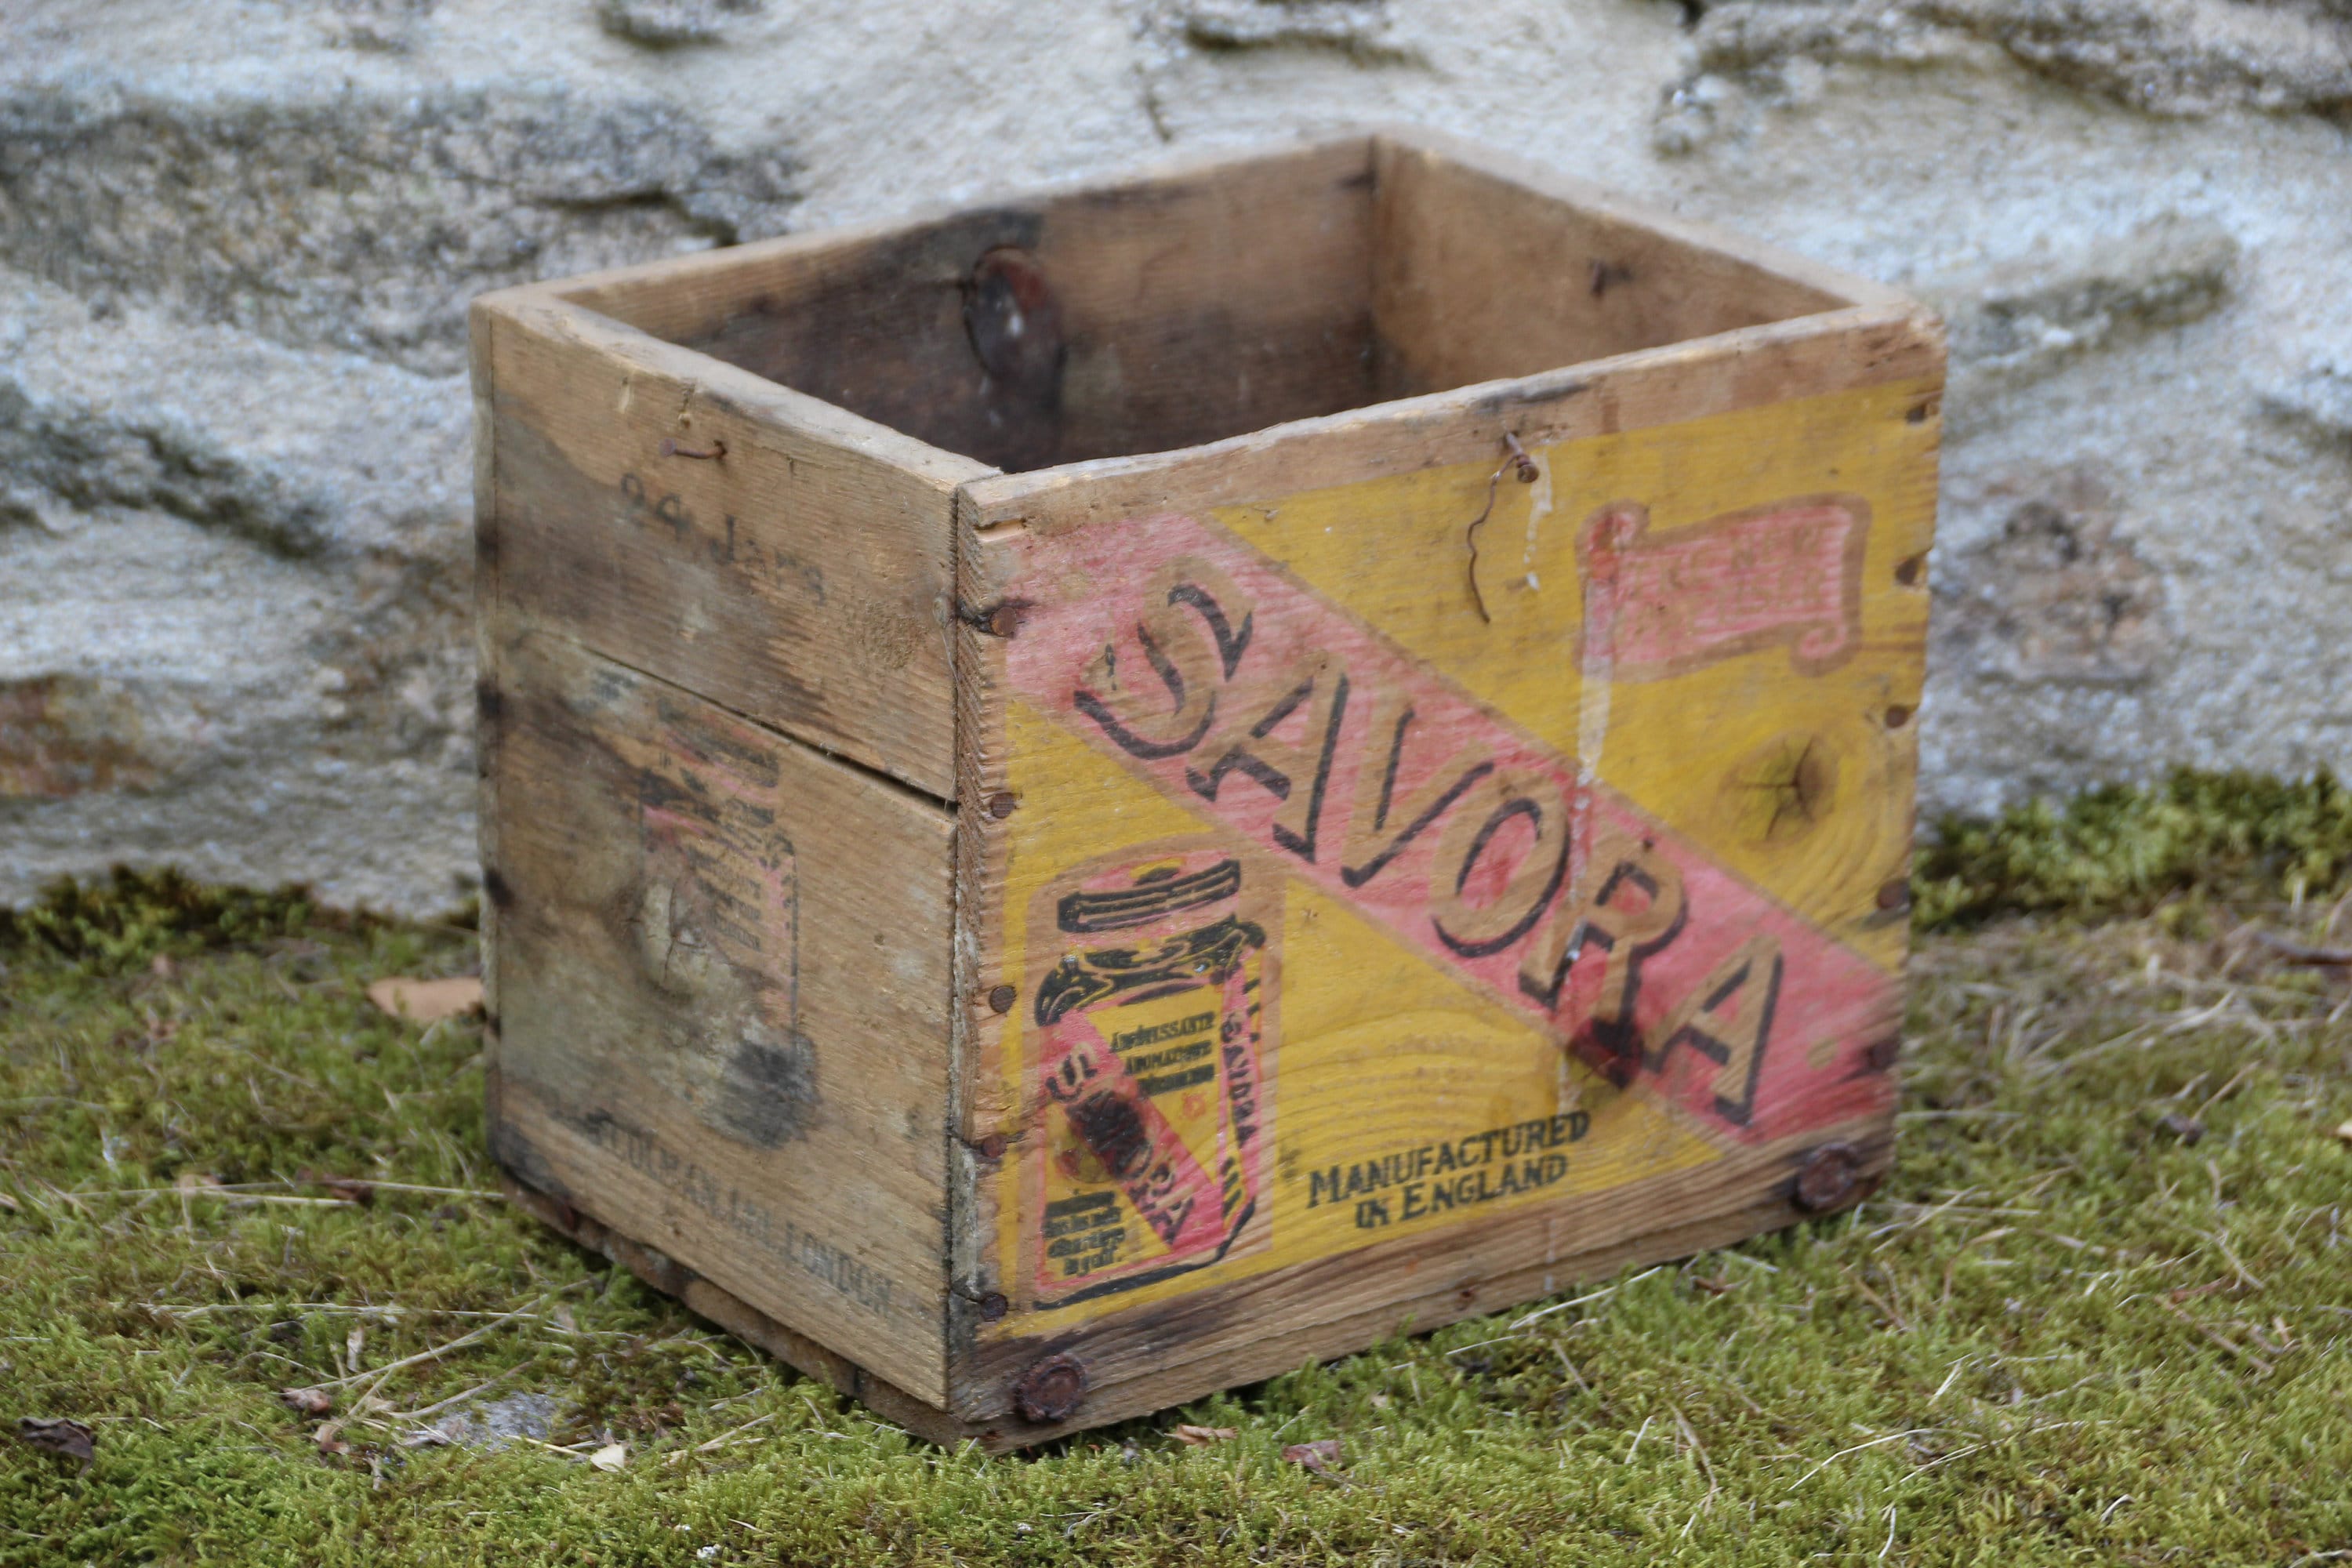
1348	903
1793	782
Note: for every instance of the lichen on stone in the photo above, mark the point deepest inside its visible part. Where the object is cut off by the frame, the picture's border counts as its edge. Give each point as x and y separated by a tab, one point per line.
356	218
1358	29
2165	57
2059	596
662	24
2034	312
2317	402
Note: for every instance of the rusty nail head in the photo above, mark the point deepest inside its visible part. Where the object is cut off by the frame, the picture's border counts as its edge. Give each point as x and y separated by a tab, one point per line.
1523	466
1908	569
1894	893
991	1147
1051	1391
998	620
1001	803
993	1306
1898	716
999	1000
1829	1177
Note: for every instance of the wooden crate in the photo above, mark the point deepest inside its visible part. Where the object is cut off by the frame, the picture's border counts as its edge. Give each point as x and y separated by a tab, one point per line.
1090	798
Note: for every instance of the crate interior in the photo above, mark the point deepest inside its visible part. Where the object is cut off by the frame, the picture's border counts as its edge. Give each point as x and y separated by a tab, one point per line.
1186	308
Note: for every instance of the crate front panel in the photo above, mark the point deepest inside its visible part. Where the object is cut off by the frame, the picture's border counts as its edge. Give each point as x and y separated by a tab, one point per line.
1347	902
722	972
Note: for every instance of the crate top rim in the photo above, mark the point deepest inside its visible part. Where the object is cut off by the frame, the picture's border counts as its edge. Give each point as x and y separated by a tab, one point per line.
998	495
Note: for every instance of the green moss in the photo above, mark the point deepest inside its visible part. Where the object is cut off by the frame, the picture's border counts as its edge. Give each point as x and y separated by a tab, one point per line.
2060	1334
2125	849
133	916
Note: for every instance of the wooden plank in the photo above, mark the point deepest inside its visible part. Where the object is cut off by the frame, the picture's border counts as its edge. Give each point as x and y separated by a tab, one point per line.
723	966
1190	1344
1196	301
1488	266
801	578
1866	345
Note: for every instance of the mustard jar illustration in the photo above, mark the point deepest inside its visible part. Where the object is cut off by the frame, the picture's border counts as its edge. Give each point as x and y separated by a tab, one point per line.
1152	1070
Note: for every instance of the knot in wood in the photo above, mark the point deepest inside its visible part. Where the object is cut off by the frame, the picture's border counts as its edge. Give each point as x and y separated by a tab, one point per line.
1051	1391
1015	324
1829	1178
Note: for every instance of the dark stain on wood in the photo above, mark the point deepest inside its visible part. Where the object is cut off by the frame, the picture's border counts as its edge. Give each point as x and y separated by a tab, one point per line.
509	1148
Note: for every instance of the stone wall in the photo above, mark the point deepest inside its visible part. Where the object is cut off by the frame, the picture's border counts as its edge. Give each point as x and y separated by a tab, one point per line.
237	237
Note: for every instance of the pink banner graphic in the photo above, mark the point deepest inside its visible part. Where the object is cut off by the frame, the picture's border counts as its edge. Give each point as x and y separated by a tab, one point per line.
1202	668
1655	605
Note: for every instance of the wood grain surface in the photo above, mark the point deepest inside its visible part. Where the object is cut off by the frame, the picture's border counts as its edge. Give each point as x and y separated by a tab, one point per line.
722	962
797	572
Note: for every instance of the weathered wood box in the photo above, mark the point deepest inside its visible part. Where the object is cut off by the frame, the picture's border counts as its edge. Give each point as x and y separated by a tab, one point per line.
1087	799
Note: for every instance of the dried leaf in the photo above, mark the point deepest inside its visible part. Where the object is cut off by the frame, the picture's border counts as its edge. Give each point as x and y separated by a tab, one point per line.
57	1434
354	1343
2344	1132
9	1204
307	1401
427	1001
1712	1287
610	1457
1318	1456
1380	1402
1198	1436
329	1440
196	1181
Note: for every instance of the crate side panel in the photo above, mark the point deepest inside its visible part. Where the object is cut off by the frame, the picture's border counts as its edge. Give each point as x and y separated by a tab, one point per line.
1478	275
723	972
1131	317
1362	920
735	539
